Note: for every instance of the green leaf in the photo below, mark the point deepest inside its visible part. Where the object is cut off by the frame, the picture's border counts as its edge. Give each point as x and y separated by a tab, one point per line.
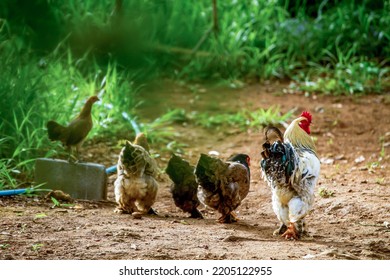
40	216
55	201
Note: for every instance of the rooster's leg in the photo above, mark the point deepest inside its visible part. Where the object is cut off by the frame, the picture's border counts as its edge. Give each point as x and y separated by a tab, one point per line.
301	226
291	232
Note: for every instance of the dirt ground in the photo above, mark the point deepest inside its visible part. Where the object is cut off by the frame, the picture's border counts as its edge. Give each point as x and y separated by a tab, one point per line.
353	223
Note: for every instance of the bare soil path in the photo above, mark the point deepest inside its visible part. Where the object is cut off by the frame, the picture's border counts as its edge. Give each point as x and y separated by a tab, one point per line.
351	224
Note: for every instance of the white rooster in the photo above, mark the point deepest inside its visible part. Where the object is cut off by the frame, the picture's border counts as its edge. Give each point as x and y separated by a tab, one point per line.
291	168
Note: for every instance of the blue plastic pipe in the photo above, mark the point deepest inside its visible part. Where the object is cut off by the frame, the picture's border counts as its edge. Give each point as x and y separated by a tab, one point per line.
12	192
135	127
111	169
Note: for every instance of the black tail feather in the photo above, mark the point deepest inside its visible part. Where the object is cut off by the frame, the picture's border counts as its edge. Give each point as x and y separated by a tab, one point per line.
277	132
178	169
204	172
54	130
278	158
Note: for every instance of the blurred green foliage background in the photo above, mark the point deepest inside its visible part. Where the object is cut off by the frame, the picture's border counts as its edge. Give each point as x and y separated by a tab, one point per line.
54	54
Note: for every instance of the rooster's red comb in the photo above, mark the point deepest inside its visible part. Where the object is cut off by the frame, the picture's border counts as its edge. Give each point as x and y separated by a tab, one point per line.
306	115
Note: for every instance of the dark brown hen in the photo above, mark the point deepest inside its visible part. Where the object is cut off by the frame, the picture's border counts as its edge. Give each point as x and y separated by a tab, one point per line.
184	188
223	185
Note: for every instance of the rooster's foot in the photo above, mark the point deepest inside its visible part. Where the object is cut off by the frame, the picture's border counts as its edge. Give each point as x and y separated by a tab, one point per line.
291	232
281	230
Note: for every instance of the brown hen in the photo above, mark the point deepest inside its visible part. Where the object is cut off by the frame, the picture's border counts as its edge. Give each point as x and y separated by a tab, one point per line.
74	134
184	188
136	185
223	185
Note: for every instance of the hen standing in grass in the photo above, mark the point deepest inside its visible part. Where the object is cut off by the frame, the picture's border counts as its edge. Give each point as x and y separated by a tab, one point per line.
223	185
136	186
77	130
291	168
184	187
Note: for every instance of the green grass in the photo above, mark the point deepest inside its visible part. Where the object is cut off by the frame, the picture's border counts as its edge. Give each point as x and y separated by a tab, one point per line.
4	246
6	175
353	76
325	193
58	204
36	247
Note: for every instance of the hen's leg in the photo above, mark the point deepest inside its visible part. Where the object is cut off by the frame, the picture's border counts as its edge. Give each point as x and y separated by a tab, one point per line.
78	159
119	210
126	207
71	157
227	219
151	211
123	210
234	216
148	192
222	219
195	214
